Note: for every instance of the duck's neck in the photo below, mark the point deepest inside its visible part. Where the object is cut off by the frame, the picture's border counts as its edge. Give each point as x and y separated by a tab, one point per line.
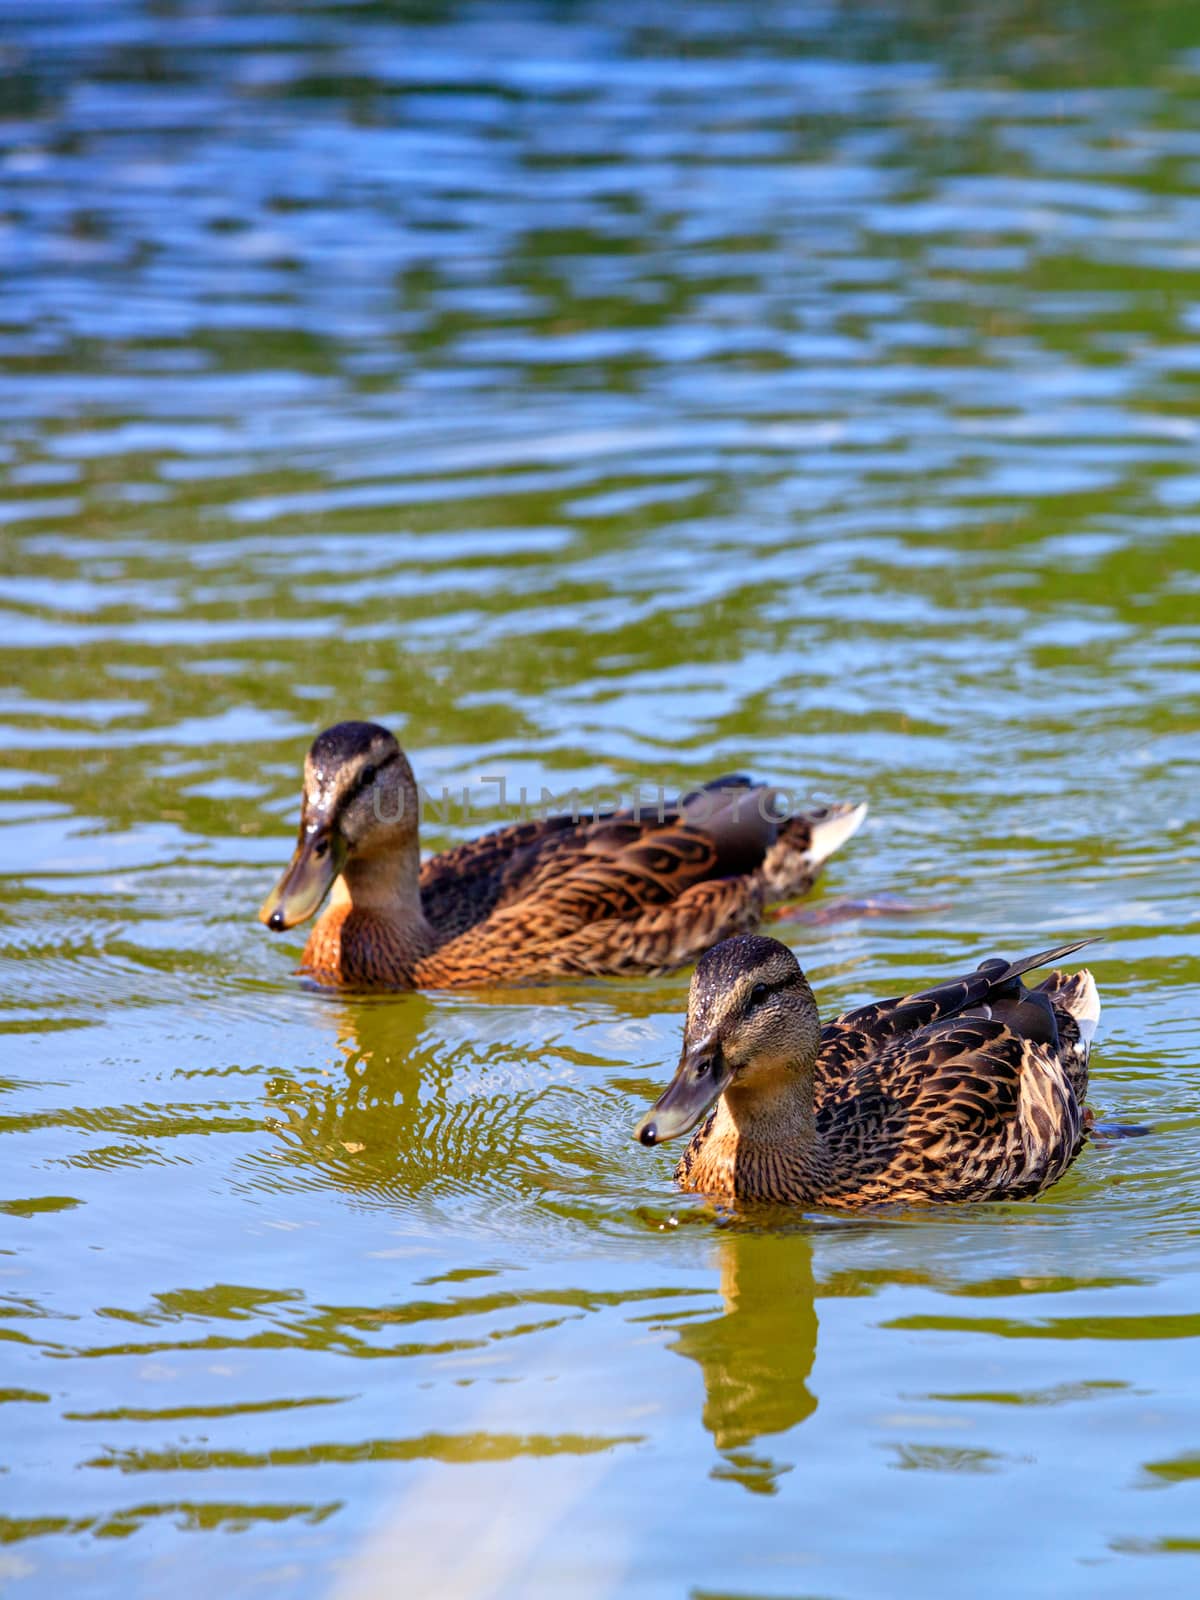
374	929
763	1143
387	886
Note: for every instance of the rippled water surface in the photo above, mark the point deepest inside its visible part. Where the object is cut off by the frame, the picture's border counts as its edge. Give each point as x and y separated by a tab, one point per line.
593	394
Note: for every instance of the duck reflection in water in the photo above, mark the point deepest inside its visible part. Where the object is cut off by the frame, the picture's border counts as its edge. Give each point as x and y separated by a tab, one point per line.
401	1112
756	1356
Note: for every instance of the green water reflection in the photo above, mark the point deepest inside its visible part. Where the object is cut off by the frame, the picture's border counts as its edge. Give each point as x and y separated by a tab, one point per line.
757	1356
594	397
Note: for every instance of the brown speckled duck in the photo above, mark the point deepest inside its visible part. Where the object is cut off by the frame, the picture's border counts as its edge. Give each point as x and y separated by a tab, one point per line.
973	1090
551	898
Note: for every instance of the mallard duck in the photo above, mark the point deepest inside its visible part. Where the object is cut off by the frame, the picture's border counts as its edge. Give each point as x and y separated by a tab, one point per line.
973	1090
627	892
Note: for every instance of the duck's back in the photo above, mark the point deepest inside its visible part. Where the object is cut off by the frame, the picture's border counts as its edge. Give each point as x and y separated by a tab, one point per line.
461	887
927	1098
626	892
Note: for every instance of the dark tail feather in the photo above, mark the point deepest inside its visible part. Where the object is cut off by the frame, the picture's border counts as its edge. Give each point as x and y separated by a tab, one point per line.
990	981
1042	959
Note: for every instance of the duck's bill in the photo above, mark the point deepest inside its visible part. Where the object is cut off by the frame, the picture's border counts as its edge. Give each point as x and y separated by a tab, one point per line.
307	880
698	1084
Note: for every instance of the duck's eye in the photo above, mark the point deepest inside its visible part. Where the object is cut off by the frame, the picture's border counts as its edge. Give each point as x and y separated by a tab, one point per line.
368	775
759	992
321	848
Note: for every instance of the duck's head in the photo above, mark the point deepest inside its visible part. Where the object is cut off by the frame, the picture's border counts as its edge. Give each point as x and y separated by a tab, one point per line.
752	1026
358	813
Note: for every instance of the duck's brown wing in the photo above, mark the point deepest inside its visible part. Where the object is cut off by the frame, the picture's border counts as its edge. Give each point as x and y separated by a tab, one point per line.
650	905
632	892
857	1036
964	1108
657	939
723	830
622	894
460	887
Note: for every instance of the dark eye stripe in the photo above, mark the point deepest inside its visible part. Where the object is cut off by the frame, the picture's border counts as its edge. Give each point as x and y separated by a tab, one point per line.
763	991
363	781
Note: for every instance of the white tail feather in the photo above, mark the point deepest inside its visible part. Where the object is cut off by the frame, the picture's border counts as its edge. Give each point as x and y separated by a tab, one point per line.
830	832
1083	1002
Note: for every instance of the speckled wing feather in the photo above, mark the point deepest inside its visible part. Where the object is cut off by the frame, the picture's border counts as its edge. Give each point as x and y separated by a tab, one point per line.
968	1090
962	1109
619	896
661	939
856	1035
460	887
621	893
